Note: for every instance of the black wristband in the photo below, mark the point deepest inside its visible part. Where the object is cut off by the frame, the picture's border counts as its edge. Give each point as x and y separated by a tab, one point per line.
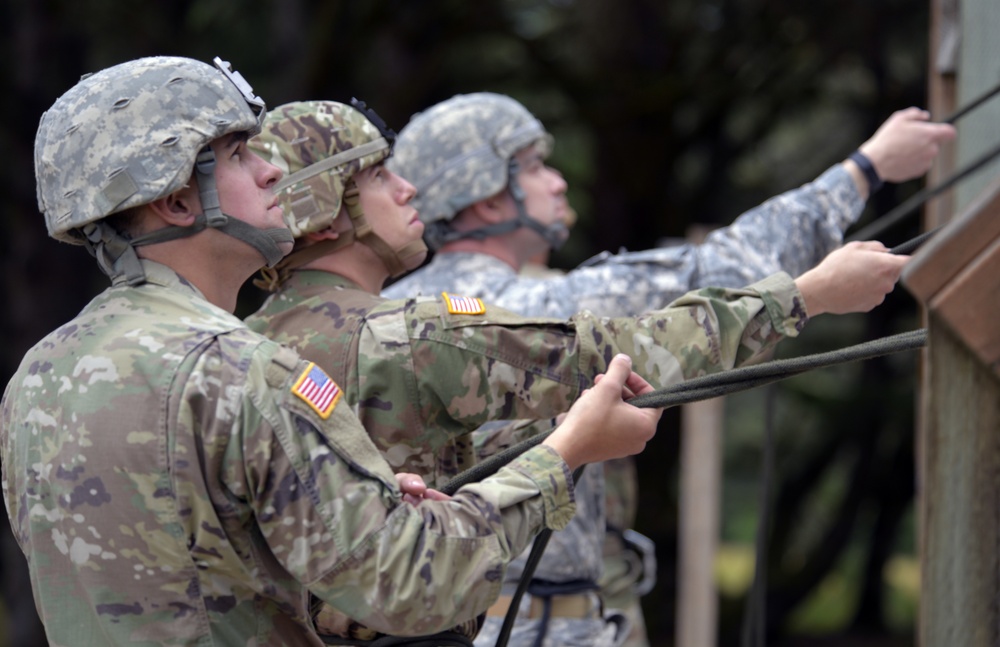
865	164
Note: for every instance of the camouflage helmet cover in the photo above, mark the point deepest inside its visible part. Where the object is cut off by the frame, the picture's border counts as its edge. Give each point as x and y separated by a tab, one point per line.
458	152
129	135
320	146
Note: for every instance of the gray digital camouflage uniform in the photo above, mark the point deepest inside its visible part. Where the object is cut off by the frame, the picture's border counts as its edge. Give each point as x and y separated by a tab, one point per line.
171	481
791	232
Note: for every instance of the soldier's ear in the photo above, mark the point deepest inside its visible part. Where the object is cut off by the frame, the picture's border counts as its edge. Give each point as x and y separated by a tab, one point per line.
180	208
328	233
493	209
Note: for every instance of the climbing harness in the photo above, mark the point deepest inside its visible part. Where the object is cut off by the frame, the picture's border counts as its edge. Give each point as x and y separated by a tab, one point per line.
530	564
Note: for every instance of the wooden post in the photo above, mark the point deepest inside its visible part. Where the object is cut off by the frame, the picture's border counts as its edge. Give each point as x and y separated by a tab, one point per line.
699	502
698	532
957	277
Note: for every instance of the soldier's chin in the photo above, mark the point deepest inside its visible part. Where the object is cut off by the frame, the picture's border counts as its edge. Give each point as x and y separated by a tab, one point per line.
416	260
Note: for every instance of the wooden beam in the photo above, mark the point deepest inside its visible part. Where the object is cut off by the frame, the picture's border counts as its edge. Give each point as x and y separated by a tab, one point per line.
957	275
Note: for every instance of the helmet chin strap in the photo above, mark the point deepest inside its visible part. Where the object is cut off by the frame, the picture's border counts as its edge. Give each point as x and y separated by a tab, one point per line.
555	234
116	254
266	241
397	261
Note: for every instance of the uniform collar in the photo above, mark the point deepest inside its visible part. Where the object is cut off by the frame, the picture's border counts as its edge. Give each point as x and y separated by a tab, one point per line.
307	278
163	276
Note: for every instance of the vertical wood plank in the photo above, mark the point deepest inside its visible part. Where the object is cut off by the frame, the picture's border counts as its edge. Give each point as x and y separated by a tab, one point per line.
960	533
698	534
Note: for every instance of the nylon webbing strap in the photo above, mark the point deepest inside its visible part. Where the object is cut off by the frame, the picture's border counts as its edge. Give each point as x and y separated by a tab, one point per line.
530	564
754	629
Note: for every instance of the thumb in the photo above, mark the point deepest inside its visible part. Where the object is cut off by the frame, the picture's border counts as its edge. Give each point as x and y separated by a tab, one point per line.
618	371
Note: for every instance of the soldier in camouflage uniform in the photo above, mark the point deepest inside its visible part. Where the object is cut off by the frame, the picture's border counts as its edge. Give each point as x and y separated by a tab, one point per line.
174	478
466	153
423	373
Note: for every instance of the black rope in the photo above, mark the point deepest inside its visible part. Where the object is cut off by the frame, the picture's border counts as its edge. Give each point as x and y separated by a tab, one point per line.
873	230
917	200
972	105
746	377
711	386
909	246
695	389
491	465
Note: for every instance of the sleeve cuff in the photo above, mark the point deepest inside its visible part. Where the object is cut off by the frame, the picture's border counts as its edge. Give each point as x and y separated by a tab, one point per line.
784	303
546	468
846	203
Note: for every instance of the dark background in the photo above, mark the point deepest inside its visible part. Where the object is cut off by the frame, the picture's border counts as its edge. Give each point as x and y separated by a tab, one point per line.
665	114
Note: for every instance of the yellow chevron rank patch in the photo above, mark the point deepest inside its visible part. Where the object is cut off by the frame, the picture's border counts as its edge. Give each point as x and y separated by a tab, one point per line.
318	390
464	305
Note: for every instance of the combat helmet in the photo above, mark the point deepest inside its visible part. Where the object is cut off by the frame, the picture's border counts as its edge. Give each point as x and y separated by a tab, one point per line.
321	146
461	151
131	134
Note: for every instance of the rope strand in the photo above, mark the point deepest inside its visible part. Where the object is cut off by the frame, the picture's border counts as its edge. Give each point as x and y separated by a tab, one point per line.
873	230
711	386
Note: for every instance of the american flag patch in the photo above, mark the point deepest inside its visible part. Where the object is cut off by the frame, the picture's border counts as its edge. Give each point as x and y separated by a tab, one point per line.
318	390
464	305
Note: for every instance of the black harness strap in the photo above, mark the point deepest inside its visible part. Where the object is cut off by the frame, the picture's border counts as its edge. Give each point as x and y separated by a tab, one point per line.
530	564
443	639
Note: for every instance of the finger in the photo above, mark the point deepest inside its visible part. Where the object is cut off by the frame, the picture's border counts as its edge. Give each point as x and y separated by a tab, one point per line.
872	245
618	370
638	384
411	484
434	495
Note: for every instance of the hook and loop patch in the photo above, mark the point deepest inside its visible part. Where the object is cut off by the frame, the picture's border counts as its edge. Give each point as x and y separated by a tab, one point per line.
318	390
